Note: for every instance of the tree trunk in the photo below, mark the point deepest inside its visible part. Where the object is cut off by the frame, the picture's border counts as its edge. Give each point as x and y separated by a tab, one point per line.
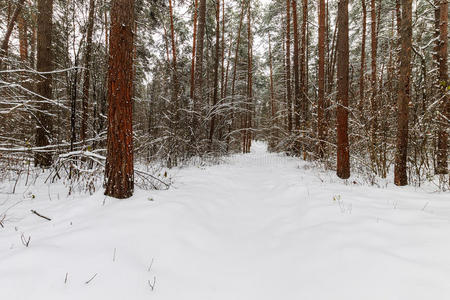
444	107
194	41
272	98
87	71
296	71
304	69
373	98
321	75
216	73
198	81
288	65
222	80
403	99
249	105
343	162
23	40
363	58
119	171
233	82
44	84
174	61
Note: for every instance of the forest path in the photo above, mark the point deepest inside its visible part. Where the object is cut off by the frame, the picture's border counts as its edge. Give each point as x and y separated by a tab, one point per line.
259	226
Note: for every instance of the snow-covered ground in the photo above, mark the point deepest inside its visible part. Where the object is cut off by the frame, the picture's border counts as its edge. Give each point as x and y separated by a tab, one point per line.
259	226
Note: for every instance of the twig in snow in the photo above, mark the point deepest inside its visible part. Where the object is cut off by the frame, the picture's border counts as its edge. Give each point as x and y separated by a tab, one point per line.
92	278
25	241
152	285
17	180
2	220
65	279
39	215
423	208
150	267
114	255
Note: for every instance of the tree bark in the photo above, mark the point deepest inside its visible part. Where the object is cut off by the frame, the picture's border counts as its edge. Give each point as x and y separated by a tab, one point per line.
321	75
249	106
87	71
23	40
216	72
444	107
373	98
199	54
363	57
288	65
403	98
119	171
297	111
343	161
272	97
304	69
44	84
194	41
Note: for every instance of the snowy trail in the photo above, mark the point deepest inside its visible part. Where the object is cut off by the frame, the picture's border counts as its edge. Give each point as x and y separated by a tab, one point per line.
259	226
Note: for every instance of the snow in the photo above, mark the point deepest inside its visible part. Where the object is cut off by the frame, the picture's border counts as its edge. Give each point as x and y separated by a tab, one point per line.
258	226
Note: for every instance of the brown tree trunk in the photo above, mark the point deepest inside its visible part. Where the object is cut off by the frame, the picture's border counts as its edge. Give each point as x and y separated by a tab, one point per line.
321	75
236	59
44	83
194	41
296	71
87	71
288	65
119	171
363	58
343	161
222	80
174	61
444	107
198	84
216	73
272	97
249	105
373	98
33	39
304	69
403	99
23	40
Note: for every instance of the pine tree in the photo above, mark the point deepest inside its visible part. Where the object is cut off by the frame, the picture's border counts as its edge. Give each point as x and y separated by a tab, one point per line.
119	171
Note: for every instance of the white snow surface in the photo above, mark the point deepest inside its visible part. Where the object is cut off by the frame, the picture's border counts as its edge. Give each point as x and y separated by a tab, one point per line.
259	226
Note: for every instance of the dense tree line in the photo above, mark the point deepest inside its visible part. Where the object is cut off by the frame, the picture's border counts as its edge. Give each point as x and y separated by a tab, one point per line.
164	81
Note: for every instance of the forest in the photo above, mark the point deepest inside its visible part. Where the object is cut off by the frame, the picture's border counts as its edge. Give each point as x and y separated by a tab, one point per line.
224	149
359	86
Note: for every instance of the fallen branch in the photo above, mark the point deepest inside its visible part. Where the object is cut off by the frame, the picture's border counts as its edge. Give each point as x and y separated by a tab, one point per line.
152	285
92	278
39	215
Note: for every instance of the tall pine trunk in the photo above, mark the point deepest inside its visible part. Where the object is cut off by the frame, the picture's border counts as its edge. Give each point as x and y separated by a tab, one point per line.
363	57
296	70
444	107
288	65
343	161
44	84
194	43
87	71
403	98
321	91
216	73
119	171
